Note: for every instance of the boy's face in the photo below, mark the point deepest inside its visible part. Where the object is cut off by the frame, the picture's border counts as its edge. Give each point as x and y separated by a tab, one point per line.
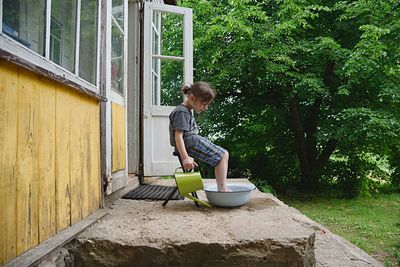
199	106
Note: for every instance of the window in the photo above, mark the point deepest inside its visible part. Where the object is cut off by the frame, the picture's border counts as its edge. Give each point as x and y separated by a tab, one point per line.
156	47
63	33
55	41
88	40
117	45
168	59
25	22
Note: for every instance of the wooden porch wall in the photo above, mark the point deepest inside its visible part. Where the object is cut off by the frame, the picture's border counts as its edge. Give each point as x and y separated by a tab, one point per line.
49	159
118	137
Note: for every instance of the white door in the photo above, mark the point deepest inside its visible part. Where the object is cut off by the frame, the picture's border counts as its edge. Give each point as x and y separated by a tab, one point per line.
168	63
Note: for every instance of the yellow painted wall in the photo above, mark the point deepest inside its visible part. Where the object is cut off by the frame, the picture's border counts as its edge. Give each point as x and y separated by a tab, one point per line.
49	159
118	137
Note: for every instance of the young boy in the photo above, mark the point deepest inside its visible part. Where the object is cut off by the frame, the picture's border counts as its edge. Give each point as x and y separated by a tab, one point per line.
184	133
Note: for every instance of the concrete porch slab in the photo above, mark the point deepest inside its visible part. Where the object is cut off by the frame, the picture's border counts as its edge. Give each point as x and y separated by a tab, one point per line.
264	232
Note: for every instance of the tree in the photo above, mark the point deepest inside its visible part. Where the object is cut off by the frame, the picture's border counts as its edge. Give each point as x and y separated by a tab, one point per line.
300	82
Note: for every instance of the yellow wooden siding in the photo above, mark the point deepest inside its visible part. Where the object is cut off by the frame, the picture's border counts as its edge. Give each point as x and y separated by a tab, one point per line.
49	162
47	148
76	162
8	163
94	159
63	186
118	137
27	161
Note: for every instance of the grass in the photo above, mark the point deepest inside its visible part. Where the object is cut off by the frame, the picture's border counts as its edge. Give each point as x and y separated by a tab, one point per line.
371	223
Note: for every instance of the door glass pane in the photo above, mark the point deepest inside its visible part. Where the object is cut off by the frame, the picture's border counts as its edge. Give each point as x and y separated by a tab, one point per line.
155	70
24	21
156	38
117	59
63	33
118	12
172	35
167	40
88	41
171	82
117	46
156	65
155	42
156	89
155	49
156	18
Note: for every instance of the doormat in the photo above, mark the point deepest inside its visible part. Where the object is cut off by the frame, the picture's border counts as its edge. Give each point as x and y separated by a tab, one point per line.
153	192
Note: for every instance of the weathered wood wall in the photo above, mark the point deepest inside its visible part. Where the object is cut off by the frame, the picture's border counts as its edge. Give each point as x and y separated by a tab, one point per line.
49	159
118	137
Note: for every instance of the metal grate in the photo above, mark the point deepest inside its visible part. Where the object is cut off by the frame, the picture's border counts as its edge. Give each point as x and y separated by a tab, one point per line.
153	192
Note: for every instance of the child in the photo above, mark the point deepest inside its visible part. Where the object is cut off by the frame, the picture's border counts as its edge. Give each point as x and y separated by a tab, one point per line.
184	134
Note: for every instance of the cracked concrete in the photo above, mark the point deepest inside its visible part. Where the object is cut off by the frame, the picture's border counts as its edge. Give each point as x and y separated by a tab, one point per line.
264	232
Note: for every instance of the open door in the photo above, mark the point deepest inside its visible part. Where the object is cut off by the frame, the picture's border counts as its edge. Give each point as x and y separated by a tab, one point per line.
168	63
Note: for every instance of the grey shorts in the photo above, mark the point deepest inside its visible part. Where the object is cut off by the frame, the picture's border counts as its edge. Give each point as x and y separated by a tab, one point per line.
207	151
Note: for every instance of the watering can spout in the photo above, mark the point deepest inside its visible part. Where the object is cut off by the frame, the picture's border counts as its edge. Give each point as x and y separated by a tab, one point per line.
198	200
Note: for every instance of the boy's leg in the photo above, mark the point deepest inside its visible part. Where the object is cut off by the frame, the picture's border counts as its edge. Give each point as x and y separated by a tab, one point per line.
215	156
221	171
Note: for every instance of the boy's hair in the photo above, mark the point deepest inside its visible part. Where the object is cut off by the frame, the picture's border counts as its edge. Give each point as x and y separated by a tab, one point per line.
201	90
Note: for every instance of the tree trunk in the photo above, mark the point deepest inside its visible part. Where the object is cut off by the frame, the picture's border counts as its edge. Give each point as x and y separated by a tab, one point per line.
311	164
307	176
305	129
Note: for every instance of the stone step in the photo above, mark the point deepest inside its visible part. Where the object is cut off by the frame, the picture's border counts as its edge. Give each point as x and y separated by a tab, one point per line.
263	232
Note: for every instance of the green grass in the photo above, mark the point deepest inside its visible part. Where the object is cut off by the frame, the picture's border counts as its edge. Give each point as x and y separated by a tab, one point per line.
371	223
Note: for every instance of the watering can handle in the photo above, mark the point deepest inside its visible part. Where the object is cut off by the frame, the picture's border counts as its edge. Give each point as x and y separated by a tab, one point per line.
185	170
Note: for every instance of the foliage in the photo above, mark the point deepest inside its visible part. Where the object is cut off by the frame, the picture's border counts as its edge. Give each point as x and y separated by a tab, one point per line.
369	222
263	186
299	82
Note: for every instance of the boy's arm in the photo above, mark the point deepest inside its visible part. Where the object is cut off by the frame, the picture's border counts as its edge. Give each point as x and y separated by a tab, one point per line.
188	162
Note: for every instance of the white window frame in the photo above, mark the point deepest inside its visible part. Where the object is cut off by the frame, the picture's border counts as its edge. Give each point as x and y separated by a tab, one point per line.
157	73
149	56
13	47
114	95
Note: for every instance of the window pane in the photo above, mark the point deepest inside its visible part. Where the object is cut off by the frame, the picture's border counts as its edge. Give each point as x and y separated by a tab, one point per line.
24	21
118	12
117	59
155	69
156	42
156	91
88	41
172	35
63	33
155	66
171	82
117	46
156	33
156	18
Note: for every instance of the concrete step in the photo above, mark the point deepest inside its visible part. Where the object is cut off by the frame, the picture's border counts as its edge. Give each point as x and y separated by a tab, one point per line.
263	232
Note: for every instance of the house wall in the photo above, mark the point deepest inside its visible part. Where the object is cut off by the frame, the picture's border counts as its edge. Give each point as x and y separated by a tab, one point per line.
49	159
118	137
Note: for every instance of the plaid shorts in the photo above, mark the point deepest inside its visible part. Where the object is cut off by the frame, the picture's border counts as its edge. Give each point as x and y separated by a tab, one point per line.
206	151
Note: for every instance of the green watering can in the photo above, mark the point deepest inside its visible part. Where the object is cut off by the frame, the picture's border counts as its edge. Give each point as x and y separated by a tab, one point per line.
188	182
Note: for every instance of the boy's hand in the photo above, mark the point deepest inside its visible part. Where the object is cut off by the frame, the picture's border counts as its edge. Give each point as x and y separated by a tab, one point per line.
188	163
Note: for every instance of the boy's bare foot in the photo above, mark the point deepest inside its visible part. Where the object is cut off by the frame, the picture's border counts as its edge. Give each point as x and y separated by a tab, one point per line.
224	189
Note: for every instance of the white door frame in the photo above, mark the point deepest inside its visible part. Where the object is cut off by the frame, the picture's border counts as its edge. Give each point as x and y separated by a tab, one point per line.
117	179
155	115
133	90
